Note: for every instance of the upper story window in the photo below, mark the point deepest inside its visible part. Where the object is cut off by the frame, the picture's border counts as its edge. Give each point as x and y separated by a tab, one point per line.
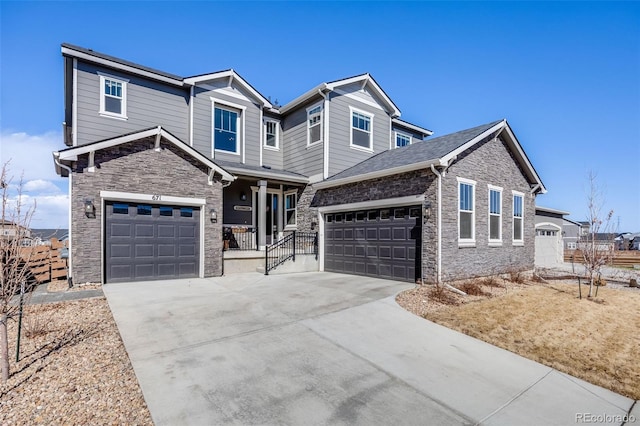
402	140
495	214
225	130
466	211
314	124
290	202
271	134
113	97
518	218
361	136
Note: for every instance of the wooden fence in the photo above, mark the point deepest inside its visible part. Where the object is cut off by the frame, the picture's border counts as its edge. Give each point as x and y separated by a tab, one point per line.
622	258
46	264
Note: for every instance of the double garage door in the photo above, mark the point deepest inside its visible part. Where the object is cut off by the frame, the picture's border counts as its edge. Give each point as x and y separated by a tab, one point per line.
150	242
381	243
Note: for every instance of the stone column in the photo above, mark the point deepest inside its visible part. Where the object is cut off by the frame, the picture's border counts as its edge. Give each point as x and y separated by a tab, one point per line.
262	214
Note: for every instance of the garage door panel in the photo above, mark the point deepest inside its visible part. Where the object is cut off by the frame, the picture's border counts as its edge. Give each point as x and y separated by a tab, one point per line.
386	244
144	250
151	242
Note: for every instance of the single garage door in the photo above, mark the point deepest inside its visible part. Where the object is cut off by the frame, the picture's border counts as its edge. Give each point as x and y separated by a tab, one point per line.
381	243
151	242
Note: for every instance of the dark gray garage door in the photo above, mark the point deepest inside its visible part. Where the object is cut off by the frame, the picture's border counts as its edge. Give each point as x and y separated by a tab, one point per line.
150	242
383	243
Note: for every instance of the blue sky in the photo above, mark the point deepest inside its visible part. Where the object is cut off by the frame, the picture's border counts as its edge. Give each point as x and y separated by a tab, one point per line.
565	75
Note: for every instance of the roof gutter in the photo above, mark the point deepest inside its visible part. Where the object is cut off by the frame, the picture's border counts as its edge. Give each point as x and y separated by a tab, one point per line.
378	174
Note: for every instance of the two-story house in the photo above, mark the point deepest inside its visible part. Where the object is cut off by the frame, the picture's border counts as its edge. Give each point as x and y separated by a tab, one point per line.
159	164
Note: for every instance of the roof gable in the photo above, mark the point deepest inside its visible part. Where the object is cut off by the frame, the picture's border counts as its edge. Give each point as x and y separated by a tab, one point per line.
439	152
71	154
232	77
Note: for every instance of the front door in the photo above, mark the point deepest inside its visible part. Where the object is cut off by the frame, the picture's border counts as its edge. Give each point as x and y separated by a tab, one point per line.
272	218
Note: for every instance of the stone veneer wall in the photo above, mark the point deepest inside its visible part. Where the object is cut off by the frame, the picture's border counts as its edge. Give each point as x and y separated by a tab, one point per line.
406	184
489	162
137	168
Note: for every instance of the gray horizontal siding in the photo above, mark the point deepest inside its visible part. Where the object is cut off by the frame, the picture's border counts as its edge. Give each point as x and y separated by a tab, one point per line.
149	104
341	154
270	157
203	127
297	156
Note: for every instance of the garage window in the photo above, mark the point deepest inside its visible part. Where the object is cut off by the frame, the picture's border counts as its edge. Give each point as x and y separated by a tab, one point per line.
166	211
360	216
186	212
121	208
385	214
372	215
399	213
144	210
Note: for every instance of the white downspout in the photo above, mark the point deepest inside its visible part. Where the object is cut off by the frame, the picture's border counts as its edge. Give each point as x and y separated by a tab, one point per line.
325	132
439	238
68	169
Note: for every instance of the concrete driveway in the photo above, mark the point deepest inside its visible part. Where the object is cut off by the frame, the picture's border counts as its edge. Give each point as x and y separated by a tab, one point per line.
323	348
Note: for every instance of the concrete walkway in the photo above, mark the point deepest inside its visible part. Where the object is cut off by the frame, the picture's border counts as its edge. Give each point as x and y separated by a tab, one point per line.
323	348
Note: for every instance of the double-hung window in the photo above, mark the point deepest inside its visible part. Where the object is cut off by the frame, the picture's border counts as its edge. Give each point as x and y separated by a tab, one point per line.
225	130
518	218
271	134
361	129
314	124
466	212
402	140
290	202
495	214
113	97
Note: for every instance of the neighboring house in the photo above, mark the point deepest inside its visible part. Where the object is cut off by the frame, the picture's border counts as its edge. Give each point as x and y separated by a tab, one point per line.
159	164
10	231
44	236
571	231
627	241
549	236
604	241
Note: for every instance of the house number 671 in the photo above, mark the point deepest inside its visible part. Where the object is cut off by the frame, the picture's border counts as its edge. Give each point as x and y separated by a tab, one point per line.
156	197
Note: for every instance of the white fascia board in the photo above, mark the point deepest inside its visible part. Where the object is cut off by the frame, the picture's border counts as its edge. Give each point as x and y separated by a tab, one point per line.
413	127
302	98
267	175
453	154
377	174
155	198
230	73
549	210
392	108
523	157
387	202
116	65
72	154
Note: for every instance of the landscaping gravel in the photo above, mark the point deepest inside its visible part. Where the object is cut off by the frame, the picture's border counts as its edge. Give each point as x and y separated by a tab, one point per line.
73	369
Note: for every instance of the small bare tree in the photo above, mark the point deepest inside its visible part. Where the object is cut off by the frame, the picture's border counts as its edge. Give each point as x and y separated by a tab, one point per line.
14	258
598	245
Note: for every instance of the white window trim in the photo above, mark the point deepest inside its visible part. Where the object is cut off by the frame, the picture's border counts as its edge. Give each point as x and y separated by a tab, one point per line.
264	143
467	242
368	114
395	139
321	124
519	242
103	112
215	102
493	241
288	227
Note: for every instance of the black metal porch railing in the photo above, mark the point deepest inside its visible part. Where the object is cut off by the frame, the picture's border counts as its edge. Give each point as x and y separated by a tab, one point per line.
295	243
239	238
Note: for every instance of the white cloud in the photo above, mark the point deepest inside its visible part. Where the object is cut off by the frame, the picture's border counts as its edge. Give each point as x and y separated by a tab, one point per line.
30	155
41	186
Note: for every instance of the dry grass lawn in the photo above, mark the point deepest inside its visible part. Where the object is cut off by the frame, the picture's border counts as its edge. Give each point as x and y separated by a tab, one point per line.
595	340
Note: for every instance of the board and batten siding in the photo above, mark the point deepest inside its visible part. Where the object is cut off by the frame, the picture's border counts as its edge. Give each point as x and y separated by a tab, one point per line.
341	154
149	104
203	123
298	157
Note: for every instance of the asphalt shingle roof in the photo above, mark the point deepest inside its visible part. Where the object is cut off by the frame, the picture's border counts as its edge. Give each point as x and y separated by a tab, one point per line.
262	170
430	149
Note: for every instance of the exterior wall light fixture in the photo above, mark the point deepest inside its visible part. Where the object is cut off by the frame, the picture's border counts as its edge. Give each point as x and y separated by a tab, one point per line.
243	196
89	208
427	211
213	215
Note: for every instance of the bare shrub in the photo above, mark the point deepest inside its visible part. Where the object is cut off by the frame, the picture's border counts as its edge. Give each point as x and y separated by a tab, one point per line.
491	281
442	295
472	288
36	323
516	277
